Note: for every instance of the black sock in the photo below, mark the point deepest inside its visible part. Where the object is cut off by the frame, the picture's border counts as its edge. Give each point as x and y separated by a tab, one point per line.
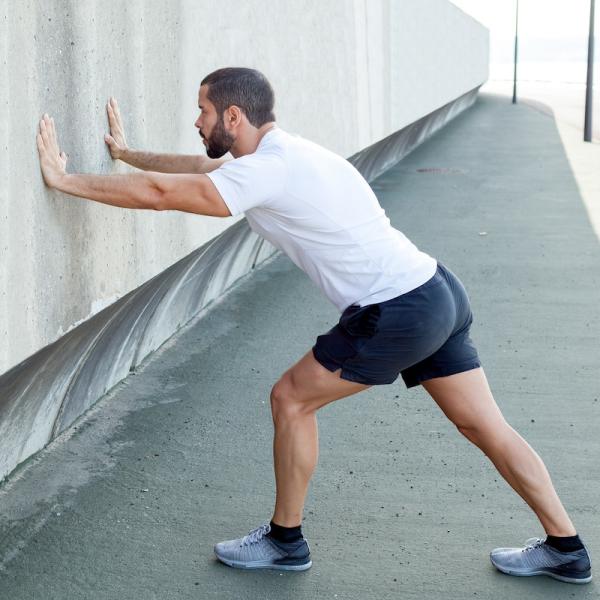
285	534
564	544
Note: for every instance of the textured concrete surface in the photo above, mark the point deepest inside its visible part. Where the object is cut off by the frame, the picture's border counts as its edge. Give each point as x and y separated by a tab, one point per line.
345	74
129	502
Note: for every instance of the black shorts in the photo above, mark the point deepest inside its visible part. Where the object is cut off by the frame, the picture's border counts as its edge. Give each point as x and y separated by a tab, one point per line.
421	334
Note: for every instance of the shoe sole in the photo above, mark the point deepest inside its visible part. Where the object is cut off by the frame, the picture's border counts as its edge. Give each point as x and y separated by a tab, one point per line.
265	565
547	573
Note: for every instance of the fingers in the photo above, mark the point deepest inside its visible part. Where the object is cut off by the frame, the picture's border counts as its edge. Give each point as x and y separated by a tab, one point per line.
112	107
116	136
111	115
47	129
47	135
43	131
53	137
113	120
115	107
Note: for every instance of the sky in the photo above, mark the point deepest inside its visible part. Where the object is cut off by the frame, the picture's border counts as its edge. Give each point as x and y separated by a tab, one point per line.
553	36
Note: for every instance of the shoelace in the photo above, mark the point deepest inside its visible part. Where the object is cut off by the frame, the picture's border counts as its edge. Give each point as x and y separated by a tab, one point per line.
532	543
256	534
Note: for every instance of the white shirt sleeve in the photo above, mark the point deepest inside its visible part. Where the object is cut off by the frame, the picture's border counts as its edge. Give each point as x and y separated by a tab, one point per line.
249	181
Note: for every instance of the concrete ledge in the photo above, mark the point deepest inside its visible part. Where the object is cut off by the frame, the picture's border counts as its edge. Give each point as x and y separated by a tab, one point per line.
45	393
377	158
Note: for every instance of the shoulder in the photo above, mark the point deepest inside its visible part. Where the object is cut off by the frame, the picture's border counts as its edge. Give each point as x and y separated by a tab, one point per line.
268	158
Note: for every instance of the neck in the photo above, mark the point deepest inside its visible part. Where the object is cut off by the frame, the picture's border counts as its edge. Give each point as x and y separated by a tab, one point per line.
250	144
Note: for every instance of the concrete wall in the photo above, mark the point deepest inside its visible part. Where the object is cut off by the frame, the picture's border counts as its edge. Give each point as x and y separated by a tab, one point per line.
347	74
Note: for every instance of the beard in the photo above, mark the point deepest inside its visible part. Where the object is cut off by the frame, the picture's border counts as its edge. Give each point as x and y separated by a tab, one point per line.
219	142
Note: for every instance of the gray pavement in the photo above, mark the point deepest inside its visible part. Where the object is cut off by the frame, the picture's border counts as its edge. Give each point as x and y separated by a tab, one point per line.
564	101
129	502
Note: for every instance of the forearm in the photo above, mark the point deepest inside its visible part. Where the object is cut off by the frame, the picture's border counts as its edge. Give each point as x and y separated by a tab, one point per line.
170	163
162	163
134	190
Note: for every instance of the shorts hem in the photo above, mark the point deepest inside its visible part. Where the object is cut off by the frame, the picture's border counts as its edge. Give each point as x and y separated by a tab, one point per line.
346	374
443	372
324	361
352	376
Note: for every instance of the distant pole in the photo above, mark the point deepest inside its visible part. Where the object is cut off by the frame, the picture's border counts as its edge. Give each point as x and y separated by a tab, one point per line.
587	128
514	99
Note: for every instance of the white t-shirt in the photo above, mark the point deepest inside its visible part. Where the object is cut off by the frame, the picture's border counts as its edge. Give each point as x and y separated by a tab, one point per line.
317	208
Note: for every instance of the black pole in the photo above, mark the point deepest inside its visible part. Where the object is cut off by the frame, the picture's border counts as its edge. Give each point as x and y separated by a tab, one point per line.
587	127
514	98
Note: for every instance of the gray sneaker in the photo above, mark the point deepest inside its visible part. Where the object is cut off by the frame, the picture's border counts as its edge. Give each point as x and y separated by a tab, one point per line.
258	551
537	558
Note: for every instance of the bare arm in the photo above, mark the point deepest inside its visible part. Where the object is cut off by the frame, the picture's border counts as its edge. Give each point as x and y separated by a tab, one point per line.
151	161
170	163
134	190
193	193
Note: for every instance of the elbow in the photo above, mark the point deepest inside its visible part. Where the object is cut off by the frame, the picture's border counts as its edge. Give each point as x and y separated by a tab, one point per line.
157	200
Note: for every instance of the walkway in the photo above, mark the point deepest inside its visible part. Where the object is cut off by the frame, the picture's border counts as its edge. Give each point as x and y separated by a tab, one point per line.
178	456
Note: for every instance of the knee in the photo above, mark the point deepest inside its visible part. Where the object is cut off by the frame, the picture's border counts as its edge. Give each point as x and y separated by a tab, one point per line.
484	435
471	432
284	401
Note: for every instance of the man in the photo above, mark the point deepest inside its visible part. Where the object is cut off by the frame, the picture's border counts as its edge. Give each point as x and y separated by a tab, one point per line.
403	312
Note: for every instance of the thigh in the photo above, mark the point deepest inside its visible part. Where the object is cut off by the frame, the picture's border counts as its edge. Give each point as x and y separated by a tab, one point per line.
466	399
312	385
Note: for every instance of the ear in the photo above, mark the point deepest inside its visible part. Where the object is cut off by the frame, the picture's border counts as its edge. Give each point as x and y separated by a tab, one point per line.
233	116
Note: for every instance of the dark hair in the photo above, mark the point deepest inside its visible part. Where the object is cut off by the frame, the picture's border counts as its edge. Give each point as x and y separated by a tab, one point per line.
248	89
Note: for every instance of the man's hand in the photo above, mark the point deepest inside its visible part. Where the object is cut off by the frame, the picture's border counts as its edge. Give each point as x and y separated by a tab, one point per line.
116	141
52	161
151	161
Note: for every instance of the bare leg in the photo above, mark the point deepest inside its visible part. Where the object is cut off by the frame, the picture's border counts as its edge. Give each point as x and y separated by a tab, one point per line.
466	399
295	398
